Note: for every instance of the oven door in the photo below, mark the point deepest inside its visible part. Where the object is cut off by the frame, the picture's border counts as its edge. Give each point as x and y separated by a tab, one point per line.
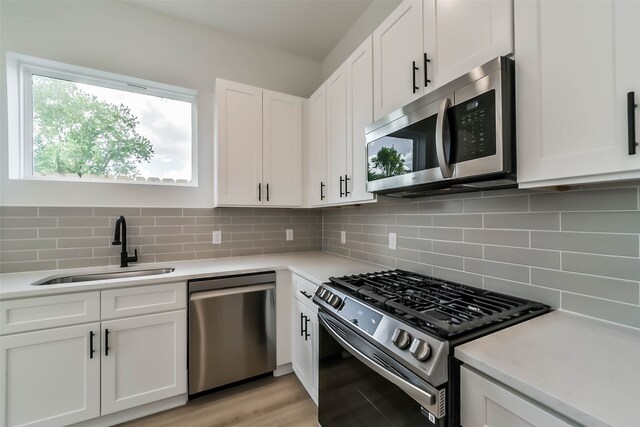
360	386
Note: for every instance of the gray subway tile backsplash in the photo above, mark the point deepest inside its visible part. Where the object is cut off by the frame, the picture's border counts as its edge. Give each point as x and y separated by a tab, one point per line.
38	238
574	250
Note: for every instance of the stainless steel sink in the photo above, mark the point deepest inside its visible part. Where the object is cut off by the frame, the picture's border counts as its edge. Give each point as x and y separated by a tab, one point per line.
103	276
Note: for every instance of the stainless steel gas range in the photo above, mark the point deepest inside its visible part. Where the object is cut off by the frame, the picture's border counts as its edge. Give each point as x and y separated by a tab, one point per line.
386	346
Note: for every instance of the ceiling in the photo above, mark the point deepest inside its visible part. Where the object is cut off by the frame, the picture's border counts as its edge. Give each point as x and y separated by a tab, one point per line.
309	28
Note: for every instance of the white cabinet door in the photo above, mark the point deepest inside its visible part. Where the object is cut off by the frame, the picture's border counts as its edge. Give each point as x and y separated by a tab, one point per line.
571	104
305	348
359	71
238	138
460	35
143	360
336	135
317	147
397	45
484	403
49	377
282	149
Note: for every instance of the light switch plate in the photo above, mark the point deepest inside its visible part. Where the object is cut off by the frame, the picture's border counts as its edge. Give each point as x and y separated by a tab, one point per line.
216	237
289	234
343	237
392	240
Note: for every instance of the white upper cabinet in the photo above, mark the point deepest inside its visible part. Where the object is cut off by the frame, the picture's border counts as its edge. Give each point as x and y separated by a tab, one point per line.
282	149
258	140
397	47
336	135
359	73
572	90
238	158
427	43
316	160
460	35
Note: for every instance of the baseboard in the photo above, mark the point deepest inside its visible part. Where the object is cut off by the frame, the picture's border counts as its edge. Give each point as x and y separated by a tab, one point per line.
135	413
283	370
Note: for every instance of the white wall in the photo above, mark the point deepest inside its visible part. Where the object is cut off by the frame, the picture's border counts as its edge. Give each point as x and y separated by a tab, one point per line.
123	38
377	11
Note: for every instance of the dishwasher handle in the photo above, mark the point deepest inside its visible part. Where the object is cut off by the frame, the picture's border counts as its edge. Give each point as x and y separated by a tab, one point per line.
195	296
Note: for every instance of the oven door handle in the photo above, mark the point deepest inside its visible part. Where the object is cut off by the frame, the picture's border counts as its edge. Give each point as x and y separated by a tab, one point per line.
423	397
443	138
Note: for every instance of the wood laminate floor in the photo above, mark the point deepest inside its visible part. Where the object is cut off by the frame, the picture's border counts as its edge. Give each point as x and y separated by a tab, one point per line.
265	402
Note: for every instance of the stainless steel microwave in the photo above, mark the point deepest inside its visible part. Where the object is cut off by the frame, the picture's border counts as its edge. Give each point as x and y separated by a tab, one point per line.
459	137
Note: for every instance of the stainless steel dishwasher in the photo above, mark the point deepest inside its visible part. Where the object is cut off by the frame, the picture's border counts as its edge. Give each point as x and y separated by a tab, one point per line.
232	329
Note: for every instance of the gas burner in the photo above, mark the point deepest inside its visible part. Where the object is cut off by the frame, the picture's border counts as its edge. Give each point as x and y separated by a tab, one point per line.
443	307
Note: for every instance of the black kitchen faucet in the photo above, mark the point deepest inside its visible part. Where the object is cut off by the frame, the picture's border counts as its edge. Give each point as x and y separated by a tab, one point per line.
125	259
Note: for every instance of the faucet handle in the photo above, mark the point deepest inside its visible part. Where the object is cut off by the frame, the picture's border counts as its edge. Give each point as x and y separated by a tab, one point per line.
134	258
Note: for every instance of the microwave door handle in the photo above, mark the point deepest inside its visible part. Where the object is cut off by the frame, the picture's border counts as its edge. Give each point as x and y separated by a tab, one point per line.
443	138
423	397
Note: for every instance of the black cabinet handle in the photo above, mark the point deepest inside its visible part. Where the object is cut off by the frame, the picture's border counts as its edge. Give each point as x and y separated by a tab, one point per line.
346	185
106	342
91	350
413	72
321	190
341	181
631	122
259	192
426	73
302	324
306	328
306	294
267	192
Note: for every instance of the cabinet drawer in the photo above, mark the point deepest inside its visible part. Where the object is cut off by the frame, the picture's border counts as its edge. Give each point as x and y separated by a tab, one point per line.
31	314
303	290
143	300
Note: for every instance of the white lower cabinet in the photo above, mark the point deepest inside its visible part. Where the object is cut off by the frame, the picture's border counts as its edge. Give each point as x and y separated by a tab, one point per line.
66	375
143	360
50	378
485	403
304	333
305	348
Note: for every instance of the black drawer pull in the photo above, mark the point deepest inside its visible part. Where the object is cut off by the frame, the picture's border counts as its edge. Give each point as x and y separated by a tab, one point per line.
341	181
426	73
321	190
91	350
106	342
346	185
267	192
306	294
631	122
259	192
413	72
306	328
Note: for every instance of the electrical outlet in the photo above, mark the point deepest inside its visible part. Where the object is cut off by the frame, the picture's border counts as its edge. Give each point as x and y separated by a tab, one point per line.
392	240
216	237
289	234
343	237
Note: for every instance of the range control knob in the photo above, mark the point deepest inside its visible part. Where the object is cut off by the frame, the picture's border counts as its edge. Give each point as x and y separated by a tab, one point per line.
334	301
327	296
401	338
321	292
420	350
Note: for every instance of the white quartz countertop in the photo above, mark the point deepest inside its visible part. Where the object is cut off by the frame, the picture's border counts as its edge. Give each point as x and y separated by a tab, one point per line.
585	369
314	266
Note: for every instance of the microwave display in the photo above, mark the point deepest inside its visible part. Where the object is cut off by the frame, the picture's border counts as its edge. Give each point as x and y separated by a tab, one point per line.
408	150
473	130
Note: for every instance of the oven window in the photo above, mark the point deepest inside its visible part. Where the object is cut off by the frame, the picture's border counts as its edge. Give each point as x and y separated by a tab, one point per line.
473	130
353	395
408	150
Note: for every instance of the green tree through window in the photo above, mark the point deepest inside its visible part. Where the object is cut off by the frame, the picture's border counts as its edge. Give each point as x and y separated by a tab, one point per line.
388	162
75	132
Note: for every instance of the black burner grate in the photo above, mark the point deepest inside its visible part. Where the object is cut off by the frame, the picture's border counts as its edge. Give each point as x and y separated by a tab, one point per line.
444	307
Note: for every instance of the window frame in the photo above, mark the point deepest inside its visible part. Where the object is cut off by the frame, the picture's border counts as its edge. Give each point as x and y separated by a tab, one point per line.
20	71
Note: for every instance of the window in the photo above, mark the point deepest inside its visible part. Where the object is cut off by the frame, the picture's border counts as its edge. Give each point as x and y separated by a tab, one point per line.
86	125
